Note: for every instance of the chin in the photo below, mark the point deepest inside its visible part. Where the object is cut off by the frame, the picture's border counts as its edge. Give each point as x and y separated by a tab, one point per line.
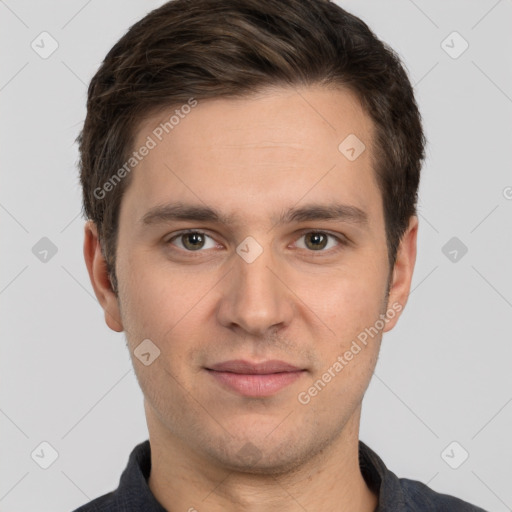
261	453
252	461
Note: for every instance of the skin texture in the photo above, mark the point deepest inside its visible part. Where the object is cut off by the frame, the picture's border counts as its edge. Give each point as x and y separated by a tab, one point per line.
252	159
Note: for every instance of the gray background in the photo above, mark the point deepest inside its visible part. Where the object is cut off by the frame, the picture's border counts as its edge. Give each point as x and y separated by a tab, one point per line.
444	372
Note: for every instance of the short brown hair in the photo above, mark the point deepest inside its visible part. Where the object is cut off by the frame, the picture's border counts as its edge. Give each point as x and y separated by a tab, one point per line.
231	48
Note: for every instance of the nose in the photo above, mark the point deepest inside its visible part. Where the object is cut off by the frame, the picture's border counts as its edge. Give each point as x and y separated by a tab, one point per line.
254	298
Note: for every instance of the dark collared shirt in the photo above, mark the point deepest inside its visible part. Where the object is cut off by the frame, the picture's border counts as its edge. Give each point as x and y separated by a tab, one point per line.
395	494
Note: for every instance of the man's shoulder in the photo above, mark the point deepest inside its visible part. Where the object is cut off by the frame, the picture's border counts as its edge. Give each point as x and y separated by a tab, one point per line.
419	496
133	492
403	494
101	504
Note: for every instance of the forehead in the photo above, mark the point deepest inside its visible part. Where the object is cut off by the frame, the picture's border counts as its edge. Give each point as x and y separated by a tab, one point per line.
274	147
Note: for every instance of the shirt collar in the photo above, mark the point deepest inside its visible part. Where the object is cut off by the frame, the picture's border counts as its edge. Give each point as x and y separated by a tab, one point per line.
134	490
381	481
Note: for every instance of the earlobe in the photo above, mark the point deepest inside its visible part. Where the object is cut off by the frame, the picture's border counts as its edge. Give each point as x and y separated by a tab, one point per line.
402	272
98	274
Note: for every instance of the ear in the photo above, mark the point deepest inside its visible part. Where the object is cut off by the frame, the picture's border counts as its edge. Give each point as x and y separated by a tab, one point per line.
97	268
402	272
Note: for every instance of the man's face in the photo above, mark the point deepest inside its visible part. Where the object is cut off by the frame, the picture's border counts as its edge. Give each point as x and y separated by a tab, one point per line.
259	283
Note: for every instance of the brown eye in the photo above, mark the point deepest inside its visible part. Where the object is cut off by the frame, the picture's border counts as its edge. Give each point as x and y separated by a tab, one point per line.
316	241
192	241
320	241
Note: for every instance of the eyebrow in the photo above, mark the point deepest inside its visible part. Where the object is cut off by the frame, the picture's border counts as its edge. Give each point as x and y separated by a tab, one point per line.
311	212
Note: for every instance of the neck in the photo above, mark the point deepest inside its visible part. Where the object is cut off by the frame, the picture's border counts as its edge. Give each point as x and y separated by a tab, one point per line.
184	479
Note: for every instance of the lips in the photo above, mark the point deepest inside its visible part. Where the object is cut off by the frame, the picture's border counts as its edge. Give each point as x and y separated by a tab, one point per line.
245	367
255	379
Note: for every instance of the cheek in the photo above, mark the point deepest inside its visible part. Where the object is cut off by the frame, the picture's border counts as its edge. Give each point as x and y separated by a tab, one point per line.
350	305
351	301
347	358
155	297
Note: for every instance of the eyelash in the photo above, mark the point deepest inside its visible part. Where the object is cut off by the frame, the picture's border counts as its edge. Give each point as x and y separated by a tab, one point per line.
342	242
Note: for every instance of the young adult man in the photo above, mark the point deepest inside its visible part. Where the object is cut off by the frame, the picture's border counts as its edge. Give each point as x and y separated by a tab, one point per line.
250	172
